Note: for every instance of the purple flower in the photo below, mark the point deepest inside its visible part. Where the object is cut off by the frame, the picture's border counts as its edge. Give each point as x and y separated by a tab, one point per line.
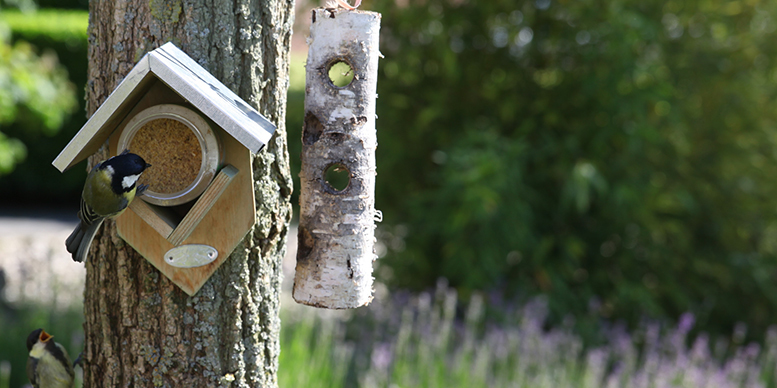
382	356
430	338
686	323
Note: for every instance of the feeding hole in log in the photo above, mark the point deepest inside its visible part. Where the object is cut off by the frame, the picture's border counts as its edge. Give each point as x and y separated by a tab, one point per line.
337	177
340	73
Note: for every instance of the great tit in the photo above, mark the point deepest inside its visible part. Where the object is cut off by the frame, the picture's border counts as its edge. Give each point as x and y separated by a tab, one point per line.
48	365
109	189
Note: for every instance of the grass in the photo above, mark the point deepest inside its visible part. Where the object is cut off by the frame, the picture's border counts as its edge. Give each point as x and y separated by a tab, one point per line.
313	352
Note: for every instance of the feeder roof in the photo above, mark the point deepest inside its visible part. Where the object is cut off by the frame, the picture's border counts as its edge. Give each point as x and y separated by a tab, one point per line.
187	78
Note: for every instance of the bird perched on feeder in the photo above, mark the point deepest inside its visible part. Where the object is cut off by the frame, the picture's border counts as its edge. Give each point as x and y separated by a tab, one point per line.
109	189
48	365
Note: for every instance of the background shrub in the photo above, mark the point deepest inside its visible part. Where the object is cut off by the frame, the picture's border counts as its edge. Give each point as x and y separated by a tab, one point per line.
59	35
615	156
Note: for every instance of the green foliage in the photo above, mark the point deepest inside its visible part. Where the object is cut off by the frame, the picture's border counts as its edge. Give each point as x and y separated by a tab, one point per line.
66	27
62	34
32	5
22	5
619	150
34	92
35	89
12	151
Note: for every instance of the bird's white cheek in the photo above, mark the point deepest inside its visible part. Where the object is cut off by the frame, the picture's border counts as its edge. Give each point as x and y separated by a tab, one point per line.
38	350
129	181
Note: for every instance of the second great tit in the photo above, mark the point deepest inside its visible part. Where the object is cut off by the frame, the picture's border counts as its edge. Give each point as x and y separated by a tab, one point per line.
48	365
109	189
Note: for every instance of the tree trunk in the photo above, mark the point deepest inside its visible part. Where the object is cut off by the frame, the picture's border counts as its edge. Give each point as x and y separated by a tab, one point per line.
142	330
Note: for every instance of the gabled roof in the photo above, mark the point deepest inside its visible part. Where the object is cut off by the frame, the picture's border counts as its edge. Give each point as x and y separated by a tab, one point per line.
178	71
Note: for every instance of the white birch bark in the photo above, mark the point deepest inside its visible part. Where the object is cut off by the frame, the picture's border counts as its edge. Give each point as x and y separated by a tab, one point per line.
337	228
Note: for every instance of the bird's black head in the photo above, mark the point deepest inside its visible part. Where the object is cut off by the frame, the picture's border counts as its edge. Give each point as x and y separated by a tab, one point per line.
34	337
126	164
125	170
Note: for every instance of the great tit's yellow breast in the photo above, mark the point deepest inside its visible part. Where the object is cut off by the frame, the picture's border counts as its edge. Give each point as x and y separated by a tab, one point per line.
99	195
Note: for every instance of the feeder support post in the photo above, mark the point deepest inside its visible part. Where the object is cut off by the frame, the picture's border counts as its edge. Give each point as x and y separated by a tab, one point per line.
337	225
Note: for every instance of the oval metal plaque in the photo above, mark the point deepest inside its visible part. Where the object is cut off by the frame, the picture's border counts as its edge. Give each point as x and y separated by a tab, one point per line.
191	255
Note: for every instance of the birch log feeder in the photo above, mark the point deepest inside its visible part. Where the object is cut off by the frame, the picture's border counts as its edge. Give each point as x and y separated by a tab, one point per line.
336	236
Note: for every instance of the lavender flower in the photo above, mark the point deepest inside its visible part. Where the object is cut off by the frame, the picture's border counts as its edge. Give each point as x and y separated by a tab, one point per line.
427	345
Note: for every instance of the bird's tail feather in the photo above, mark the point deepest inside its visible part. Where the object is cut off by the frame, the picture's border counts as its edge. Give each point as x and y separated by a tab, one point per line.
81	239
74	240
86	242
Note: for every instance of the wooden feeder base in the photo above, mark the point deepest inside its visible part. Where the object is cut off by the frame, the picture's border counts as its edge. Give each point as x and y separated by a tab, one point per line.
230	218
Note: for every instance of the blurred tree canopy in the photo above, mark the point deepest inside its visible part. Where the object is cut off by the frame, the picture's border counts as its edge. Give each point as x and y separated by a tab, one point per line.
35	94
614	155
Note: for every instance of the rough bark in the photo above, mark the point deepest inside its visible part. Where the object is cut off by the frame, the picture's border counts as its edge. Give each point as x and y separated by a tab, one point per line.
141	330
336	235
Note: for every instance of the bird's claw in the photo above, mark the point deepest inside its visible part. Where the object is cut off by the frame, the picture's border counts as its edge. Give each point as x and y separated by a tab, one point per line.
141	190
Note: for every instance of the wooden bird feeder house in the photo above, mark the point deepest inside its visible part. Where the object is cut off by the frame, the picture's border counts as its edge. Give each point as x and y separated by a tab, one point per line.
198	136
